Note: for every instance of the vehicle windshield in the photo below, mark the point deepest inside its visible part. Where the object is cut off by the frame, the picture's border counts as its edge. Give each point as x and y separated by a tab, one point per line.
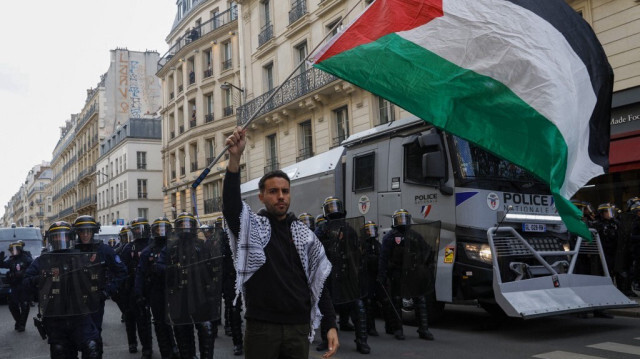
477	165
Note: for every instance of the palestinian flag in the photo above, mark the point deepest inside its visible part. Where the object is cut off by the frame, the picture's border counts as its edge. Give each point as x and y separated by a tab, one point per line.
524	79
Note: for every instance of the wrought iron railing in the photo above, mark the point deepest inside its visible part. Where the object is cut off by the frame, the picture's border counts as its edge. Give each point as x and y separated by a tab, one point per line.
228	111
266	34
226	64
212	205
142	194
180	88
298	9
207	73
303	154
208	117
194	166
271	165
182	172
212	24
66	212
142	165
296	87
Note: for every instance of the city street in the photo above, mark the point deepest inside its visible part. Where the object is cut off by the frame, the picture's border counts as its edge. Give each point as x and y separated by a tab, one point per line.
466	332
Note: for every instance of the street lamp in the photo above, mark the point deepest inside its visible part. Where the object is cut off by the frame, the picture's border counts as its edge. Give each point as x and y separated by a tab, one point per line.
227	85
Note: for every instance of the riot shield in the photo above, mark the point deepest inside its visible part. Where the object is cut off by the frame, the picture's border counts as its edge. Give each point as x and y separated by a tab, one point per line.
421	243
193	280
344	249
69	283
623	258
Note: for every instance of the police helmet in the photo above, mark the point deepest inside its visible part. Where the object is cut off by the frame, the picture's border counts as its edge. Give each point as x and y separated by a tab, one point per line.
207	231
15	248
631	202
125	235
186	223
59	236
370	229
112	242
635	207
86	223
219	222
308	220
400	219
333	208
160	228
320	219
139	227
584	207
607	209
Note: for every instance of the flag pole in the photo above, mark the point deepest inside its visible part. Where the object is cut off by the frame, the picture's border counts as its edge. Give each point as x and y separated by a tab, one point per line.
206	171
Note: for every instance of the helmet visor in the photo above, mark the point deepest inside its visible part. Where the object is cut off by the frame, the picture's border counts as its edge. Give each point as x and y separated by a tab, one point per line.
59	241
126	236
138	230
332	206
15	250
307	220
371	230
401	219
160	229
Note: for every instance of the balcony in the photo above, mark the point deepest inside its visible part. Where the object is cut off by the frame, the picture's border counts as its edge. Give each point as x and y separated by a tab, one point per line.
207	73
192	123
210	25
298	9
40	214
208	118
182	172
192	77
87	201
227	111
142	195
194	166
226	64
338	140
266	34
271	165
212	205
296	87
303	154
66	212
180	88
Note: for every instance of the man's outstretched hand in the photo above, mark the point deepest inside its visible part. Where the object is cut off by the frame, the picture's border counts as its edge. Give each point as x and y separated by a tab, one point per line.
332	340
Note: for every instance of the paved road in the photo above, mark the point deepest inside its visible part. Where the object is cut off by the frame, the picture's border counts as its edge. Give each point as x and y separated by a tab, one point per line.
466	332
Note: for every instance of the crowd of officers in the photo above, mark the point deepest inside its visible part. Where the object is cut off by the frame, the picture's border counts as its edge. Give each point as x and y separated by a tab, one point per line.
137	272
619	233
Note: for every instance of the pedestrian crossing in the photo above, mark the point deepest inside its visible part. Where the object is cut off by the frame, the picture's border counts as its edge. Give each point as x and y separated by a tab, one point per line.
606	350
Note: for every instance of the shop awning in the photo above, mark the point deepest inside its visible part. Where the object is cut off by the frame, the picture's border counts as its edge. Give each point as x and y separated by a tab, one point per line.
624	154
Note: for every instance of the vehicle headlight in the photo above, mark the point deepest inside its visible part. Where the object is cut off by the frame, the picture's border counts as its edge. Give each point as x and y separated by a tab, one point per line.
566	246
478	252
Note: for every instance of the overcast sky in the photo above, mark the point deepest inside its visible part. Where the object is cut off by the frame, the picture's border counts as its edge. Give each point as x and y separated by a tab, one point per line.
51	53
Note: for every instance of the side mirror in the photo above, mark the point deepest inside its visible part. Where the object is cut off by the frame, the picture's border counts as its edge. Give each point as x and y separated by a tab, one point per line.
433	165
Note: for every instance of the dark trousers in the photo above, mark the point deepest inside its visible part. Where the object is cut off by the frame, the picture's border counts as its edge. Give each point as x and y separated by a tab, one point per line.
19	307
264	340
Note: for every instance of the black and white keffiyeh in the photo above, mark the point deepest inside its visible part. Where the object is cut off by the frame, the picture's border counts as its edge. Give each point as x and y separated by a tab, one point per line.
248	255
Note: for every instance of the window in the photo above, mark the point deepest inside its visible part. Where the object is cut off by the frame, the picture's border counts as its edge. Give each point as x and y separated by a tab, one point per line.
117	192
227	53
117	166
332	30
386	111
266	12
125	190
143	212
306	141
271	154
141	160
121	163
208	68
268	76
142	188
342	125
364	172
122	192
208	104
301	54
212	197
124	161
210	149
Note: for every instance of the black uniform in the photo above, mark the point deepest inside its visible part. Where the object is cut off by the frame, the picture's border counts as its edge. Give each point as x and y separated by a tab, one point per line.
150	285
66	334
137	314
390	275
372	259
609	231
18	296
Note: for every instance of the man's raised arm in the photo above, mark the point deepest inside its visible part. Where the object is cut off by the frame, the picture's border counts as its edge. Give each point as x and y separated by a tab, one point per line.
231	199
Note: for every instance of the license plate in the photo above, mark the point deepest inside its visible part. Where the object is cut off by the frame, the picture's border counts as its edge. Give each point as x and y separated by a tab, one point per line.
534	227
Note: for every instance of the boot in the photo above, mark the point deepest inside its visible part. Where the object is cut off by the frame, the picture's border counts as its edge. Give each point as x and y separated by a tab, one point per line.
164	338
143	322
130	326
359	318
362	347
227	319
206	339
423	323
396	319
237	350
371	320
185	340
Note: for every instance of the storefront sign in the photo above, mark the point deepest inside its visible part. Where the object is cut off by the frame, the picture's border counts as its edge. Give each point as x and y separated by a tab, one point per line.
625	119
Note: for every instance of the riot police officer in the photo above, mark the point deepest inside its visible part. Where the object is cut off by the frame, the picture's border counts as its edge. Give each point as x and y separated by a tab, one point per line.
372	258
137	313
67	328
192	274
150	285
342	245
17	263
608	229
232	312
85	227
391	273
308	220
